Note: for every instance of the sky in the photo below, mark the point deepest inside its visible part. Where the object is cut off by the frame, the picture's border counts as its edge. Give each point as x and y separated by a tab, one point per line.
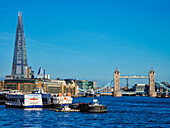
88	39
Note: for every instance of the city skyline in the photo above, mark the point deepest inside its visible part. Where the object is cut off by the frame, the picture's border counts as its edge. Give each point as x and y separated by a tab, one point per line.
92	42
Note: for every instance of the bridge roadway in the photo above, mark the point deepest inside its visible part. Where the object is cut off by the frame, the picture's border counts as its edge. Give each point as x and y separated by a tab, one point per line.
124	92
134	77
127	93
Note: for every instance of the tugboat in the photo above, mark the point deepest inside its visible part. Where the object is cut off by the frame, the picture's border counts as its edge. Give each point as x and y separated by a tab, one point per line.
96	108
92	108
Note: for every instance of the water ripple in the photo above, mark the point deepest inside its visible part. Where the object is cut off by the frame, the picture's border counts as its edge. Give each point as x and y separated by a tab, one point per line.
122	112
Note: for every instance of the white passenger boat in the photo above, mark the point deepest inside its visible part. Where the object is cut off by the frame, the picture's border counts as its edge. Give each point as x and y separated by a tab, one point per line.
24	100
62	99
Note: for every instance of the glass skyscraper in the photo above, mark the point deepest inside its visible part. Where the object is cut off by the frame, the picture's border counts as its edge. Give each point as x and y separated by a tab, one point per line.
20	56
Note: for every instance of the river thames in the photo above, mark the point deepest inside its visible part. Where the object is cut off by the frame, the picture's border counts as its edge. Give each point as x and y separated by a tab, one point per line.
122	112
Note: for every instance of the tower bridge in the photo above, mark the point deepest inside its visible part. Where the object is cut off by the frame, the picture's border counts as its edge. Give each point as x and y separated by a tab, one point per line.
116	83
117	92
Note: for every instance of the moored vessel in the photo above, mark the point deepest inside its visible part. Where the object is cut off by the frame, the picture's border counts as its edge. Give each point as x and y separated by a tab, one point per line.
62	99
24	101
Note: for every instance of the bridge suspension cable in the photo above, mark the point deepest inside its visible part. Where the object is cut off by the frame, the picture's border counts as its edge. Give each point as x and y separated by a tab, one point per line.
105	86
162	85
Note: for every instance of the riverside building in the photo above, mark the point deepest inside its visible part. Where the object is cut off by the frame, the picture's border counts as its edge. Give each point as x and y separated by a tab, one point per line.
85	84
48	85
60	86
1	85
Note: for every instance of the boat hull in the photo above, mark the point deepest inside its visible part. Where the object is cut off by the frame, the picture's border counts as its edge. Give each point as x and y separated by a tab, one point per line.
97	109
30	106
92	108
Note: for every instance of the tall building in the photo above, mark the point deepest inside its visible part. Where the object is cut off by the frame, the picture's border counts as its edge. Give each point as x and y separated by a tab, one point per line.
20	56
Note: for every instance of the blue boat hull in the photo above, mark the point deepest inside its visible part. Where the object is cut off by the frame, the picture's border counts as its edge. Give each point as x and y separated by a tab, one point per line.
34	106
30	106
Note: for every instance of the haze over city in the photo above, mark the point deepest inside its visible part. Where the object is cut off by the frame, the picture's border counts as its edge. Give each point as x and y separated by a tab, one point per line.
89	39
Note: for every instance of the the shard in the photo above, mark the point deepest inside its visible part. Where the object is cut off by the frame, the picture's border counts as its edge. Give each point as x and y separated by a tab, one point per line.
20	56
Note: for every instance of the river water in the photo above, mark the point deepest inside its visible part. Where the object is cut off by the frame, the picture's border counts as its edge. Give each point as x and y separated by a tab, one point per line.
122	112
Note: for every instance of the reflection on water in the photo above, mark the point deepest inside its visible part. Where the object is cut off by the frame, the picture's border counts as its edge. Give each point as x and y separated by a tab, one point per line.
32	117
35	109
122	112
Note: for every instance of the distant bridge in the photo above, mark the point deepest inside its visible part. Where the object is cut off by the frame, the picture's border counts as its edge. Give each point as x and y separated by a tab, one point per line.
128	92
152	83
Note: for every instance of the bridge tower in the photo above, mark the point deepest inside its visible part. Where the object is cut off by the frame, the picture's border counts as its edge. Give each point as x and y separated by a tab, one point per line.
116	91
152	92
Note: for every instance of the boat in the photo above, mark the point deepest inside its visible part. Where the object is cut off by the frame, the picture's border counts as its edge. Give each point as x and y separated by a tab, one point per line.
38	99
47	100
65	109
19	100
163	95
94	107
91	93
4	93
61	99
2	98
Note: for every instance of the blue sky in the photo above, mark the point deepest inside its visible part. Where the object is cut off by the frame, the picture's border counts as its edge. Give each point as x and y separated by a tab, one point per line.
88	39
